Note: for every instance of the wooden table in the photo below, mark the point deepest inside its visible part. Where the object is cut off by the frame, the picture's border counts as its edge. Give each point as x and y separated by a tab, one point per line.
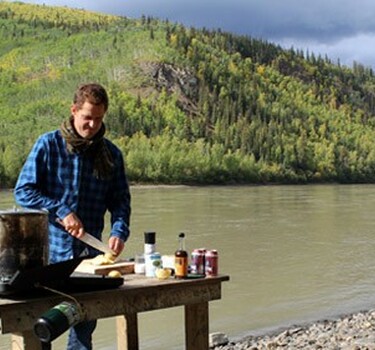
137	294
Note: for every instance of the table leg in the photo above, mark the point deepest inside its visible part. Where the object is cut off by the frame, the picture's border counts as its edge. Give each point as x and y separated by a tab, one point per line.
196	326
127	332
25	341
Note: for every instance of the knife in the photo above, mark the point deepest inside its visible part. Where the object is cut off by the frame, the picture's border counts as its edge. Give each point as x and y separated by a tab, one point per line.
93	242
96	243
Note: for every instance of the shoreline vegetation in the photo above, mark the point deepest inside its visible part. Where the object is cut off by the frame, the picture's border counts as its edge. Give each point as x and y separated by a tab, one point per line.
164	185
352	331
187	105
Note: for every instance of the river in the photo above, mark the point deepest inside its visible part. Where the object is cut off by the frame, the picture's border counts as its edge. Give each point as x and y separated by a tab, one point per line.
294	254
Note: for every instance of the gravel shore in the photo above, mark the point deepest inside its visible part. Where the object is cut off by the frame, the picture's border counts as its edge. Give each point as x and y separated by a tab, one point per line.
349	332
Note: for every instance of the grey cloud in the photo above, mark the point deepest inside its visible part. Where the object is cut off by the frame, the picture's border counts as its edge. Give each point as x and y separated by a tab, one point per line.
323	19
329	25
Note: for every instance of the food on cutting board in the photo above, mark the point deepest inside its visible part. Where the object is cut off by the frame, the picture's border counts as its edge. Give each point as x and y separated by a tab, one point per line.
103	259
114	274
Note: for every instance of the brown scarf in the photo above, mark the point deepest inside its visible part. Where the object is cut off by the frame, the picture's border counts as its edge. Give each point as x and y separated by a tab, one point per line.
95	148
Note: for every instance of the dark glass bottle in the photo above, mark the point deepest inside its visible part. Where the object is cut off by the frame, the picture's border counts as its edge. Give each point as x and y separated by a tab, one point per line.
181	258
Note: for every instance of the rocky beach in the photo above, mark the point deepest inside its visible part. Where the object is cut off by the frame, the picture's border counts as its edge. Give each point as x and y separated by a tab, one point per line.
348	332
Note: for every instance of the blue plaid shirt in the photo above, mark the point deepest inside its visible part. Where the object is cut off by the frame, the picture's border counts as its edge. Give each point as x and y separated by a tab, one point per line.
63	182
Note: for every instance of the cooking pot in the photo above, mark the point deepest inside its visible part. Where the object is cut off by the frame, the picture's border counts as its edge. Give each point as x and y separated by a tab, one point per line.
23	241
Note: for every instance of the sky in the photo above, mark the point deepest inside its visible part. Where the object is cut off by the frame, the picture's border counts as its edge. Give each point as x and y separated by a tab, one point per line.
344	30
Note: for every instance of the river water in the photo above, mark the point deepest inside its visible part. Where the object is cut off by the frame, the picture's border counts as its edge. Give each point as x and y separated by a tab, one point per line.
294	254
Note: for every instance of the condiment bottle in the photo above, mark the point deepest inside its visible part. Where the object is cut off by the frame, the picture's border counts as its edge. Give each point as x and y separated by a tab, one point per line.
151	257
181	258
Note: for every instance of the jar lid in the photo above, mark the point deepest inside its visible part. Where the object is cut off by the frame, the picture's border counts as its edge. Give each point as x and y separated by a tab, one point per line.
150	237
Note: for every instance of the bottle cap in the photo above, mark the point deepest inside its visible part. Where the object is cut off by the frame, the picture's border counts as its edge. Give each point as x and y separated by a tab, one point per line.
150	237
181	235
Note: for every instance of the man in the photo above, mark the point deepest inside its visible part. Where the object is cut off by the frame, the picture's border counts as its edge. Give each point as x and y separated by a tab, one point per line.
77	175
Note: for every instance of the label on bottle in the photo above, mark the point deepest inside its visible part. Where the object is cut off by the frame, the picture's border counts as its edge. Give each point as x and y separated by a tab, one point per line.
152	262
181	267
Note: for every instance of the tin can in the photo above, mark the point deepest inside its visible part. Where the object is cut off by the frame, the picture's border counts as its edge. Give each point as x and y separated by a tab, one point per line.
57	320
212	263
197	262
152	262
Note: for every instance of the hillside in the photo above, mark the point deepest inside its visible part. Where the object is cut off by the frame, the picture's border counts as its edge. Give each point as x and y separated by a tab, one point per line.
187	105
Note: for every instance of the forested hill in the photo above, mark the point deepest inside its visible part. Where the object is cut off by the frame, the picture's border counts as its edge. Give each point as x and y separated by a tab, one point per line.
187	105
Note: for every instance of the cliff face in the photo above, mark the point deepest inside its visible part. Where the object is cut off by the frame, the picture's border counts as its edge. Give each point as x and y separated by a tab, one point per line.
174	80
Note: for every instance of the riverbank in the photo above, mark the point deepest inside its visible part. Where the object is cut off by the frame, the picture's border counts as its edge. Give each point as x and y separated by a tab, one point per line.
349	332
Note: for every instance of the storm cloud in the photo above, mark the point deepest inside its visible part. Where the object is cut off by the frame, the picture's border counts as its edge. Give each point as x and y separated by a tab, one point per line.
341	29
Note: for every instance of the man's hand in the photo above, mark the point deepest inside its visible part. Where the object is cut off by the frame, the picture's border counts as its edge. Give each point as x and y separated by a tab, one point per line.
116	244
73	225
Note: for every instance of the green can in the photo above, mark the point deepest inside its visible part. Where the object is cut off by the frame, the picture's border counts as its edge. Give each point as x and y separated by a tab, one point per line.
57	320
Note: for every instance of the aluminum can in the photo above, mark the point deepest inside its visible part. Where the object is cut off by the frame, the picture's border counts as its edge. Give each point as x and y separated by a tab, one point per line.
197	266
212	263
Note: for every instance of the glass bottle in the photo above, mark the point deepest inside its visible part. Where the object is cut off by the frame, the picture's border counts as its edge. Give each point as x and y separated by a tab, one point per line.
181	258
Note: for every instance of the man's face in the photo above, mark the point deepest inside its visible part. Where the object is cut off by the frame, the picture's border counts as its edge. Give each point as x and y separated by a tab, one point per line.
88	119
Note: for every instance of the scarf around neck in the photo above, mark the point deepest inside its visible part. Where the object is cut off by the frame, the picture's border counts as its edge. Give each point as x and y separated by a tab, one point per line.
96	148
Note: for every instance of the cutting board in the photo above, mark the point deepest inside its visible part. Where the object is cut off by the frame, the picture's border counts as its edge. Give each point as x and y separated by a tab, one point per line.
124	267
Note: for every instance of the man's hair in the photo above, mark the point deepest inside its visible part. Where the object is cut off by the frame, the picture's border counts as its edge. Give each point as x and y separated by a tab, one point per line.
92	93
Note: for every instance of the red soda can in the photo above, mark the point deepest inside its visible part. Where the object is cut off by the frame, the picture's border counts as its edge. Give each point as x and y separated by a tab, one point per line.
212	263
197	262
204	250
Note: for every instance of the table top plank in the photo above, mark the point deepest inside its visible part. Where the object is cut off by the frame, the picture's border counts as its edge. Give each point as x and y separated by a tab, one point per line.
137	294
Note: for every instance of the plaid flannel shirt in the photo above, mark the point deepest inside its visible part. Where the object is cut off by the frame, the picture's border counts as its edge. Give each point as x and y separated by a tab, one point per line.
61	182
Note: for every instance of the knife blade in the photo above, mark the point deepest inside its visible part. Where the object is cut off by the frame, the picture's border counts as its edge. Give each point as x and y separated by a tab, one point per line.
93	242
96	243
